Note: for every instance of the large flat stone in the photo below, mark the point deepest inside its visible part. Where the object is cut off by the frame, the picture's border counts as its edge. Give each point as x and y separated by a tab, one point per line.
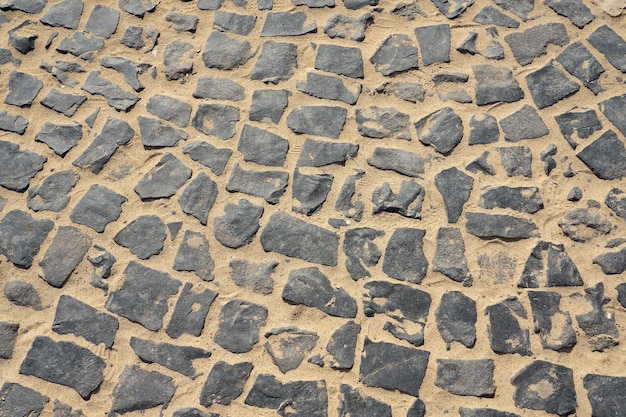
328	87
579	62
225	383
606	156
318	153
467	377
176	358
20	401
545	386
239	324
398	160
116	97
287	24
164	179
144	236
114	134
342	346
326	121
239	224
449	258
208	155
533	42
455	187
198	197
21	237
63	255
80	319
352	402
17	167
553	325
97	208
549	85
224	52
306	398
276	62
262	147
190	312
456	319
611	45
138	390
495	84
604	393
269	185
215	119
522	199
404	255
340	60
505	332
434	43
501	226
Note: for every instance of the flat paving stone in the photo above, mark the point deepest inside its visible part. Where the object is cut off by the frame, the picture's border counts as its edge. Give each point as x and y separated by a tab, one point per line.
13	123
178	60
455	187
339	60
239	325
318	153
61	138
268	106
483	129
135	37
616	201
404	255
143	236
605	157
170	109
276	62
516	161
328	87
492	16
361	251
176	358
505	332
81	46
613	109
26	6
269	185
553	325
481	165
449	258
64	14
520	8
234	23
21	237
143	297
23	294
114	134
443	130
456	319
549	85
217	120
102	21
351	402
342	346
578	123
549	265
344	27
502	226
156	134
67	250
138	389
190	312
579	62
521	199
67	104
310	192
254	276
225	383
288	346
116	97
344	204
8	337
18	400
484	412
523	124
533	42
64	363
306	398
466	377
224	52
603	392
262	147
239	224
217	88
23	88
407	91
383	122
611	45
80	319
407	202
287	24
198	197
183	22
208	155
434	43
18	167
400	161
162	181
326	121
495	84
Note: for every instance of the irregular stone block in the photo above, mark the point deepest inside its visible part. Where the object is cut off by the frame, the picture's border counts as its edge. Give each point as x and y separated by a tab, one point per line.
383	122
226	53
12	123
98	207
450	257
553	325
193	255
17	167
505	333
599	327
225	383
129	69
269	185
443	130
616	201
23	88
23	294
339	60
219	89
407	202
8	337
306	398
502	226
522	199
318	153
492	16
208	155
342	345
115	133
604	394
67	104
533	42
344	204
407	91
581	122
183	22
323	121
177	358
352	402
328	87
63	255
455	187
481	164
495	84
239	325
287	24
239	224
138	390
276	62
613	108
484	412
162	181
216	120
310	191
553	269
190	312
548	85
170	109
234	23
262	147
268	105
611	45
116	97
340	26
60	138
606	156
102	21
75	317
20	401
256	277
138	7
198	198
404	255
21	237
579	62
456	319
400	161
525	123
434	43
288	346
144	236
466	377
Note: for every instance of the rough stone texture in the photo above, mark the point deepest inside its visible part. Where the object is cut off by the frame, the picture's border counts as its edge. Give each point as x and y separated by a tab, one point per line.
234	23
76	317
495	84
177	358
23	294
466	377
323	121
102	21
67	104
208	155
276	62
116	97
505	332
21	237
450	257
288	346
339	60
63	255
193	255
97	208
548	85
267	106
579	62
578	124
162	181
609	43
239	224
342	345
434	43
262	147
516	161
407	202
522	199
156	134
456	319
492	16
256	277
138	389
599	328
352	402
190	312
219	89
310	192
400	161
287	24
383	122
198	197
8	337
225	383
328	87
317	153
305	398
17	400
216	120
170	109
455	187
582	225
224	52
239	325
404	255
143	236
340	26
603	392
18	167
549	265
533	43
114	134
523	124
23	88
60	138
553	325
443	130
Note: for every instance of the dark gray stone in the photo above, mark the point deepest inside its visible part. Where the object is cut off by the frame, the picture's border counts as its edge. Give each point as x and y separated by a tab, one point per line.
614	108
178	60
383	122
553	325
67	104
162	181
61	71
344	27
129	69
156	134
170	109
17	167
193	255
582	225
460	96
216	120
455	187
516	161
456	319
389	366
317	153
549	85
310	191
116	97
139	390
450	257
64	14
323	121
208	155
579	62
268	105
177	358
19	401
442	129
23	294
481	164
276	62
190	312
598	326
210	4
404	255
225	383
239	224
606	157
75	317
234	23
287	24
454	8
400	161
269	185
492	16
23	44
60	138
80	45
579	122
256	277
500	226
198	198
288	346
434	43
182	22
135	37
262	147
219	89
611	45
339	60
64	363
239	325
12	123
406	308
519	7
308	286
545	386
522	199
115	133
466	377
575	194
495	84
483	129
407	91
91	119
102	21
314	4
554	269
225	53
352	403
505	333
533	42
344	203
138	7
8	337
328	87
21	236
295	238
63	255
144	236
305	398
192	412
450	77
26	6
523	124
604	393
23	88
143	298
407	202
616	201
342	346
484	412
358	4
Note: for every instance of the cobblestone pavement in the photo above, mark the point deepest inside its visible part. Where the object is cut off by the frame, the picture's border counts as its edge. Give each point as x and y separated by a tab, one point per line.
312	208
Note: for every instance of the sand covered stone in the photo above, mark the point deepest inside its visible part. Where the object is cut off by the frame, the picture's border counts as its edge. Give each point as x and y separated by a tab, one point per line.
115	133
208	155
553	325
466	377
224	52
522	124
235	23
13	123
456	319
492	16
178	60
138	7
164	179
495	84
239	324
505	332
288	346
143	297
443	130
262	147
21	236
183	22
400	161
545	386
455	187
310	287
578	123
339	60
219	89
598	326
75	317
604	393
239	224
549	265
23	88
326	121
352	402
361	251
328	87
613	108
23	294
407	202
198	197
269	185
611	45
318	153
63	255
310	191
61	138
483	129
64	363
268	106
342	346
606	156
450	257
190	312
616	201
383	122
254	276
295	238
434	43
135	37
276	62
214	119
287	24
522	199
138	390
116	97
193	255
174	357
143	236
584	224
102	21
17	167
225	383
340	26
306	398
533	42
344	203
19	401
170	109
407	91
579	62
481	165
156	134
26	6
484	412
516	161
8	337
404	255
406	308
67	104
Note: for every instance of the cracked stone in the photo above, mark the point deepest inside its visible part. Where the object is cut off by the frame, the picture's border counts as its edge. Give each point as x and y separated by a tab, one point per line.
13	123
407	202
305	398
616	201
450	257
505	333
193	255
208	155
60	138
190	312
20	401
67	104
135	37
456	319
466	377
177	358
170	109
63	255
533	42
256	277
98	207
239	325
138	390
114	134
404	256
553	325
218	120
309	192
455	187
613	108
162	181
80	319
579	62
578	124
198	198
269	185
225	383
239	224
434	43
554	269
116	97
80	45
345	204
